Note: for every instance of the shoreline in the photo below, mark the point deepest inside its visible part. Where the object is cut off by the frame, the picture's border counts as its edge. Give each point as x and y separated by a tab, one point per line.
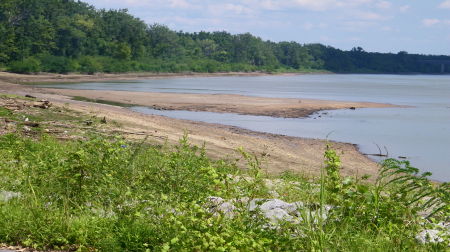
283	153
102	77
218	103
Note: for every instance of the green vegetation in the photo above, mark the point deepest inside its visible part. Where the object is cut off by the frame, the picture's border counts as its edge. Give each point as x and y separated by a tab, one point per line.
111	195
71	36
104	193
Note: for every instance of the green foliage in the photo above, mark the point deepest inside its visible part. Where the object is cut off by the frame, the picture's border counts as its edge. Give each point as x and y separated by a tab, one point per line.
28	65
67	32
113	195
332	168
414	189
56	64
89	65
122	51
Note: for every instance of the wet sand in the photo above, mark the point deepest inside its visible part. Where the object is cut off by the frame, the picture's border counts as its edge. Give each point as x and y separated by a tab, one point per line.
281	153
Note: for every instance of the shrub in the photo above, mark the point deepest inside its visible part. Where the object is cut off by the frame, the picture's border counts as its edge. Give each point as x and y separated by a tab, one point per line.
57	64
89	65
111	195
28	65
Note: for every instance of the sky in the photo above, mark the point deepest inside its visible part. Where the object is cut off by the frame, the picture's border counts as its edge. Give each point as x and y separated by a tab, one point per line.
415	26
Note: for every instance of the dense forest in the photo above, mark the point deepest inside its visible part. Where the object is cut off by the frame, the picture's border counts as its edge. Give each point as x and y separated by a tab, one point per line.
71	36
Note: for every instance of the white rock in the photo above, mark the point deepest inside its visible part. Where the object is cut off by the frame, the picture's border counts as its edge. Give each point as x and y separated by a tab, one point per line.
6	196
277	214
215	200
255	203
429	236
227	208
217	204
276	203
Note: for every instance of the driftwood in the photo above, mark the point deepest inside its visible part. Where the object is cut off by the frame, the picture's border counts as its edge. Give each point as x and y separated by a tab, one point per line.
380	153
376	155
32	124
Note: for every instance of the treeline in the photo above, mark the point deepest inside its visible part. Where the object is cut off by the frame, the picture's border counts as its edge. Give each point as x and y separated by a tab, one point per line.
71	36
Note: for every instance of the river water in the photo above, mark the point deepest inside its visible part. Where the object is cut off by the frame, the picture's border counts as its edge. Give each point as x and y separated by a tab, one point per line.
420	132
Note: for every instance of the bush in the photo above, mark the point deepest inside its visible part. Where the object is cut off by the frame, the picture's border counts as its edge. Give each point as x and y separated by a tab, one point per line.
89	65
107	194
28	65
57	64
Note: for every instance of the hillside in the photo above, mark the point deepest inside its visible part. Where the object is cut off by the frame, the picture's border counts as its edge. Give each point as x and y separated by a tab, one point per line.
71	36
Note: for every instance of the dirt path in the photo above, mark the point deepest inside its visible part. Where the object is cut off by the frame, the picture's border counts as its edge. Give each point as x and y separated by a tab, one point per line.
281	153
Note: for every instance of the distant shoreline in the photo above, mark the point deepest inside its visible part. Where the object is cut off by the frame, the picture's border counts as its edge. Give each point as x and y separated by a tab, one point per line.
44	78
101	77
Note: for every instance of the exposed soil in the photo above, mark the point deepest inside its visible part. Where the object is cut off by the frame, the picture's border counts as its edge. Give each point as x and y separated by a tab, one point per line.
281	153
222	103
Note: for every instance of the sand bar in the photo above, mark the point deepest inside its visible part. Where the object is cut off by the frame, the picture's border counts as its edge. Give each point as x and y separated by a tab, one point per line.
280	152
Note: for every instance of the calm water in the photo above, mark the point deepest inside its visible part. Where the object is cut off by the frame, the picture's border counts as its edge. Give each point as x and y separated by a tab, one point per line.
421	133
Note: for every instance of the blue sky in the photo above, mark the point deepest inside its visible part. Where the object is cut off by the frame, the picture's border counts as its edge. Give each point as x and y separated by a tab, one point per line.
415	26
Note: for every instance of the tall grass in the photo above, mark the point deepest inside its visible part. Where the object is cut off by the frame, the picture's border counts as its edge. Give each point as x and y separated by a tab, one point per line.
113	195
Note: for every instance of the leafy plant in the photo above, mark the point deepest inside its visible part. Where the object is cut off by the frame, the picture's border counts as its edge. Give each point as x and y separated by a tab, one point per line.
109	194
28	65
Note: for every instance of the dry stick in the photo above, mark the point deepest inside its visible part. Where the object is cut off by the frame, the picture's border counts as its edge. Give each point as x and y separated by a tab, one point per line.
380	154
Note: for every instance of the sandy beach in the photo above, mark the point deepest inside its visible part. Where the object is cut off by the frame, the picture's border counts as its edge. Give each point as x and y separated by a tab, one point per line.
281	153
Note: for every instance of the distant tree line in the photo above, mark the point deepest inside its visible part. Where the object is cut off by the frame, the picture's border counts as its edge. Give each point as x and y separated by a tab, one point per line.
71	36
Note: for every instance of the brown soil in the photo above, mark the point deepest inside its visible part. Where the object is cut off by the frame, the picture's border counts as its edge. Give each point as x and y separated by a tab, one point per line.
70	78
222	103
281	153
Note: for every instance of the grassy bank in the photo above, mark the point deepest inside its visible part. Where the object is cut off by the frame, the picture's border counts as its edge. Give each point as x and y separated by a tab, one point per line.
97	191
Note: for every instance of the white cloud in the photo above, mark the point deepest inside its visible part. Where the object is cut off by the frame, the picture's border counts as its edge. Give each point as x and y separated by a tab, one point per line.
445	4
353	3
430	22
370	16
434	21
183	4
357	26
270	5
114	4
321	5
383	4
310	26
404	8
317	5
229	8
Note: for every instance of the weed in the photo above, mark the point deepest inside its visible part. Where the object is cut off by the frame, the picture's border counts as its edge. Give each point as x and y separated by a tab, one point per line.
108	194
